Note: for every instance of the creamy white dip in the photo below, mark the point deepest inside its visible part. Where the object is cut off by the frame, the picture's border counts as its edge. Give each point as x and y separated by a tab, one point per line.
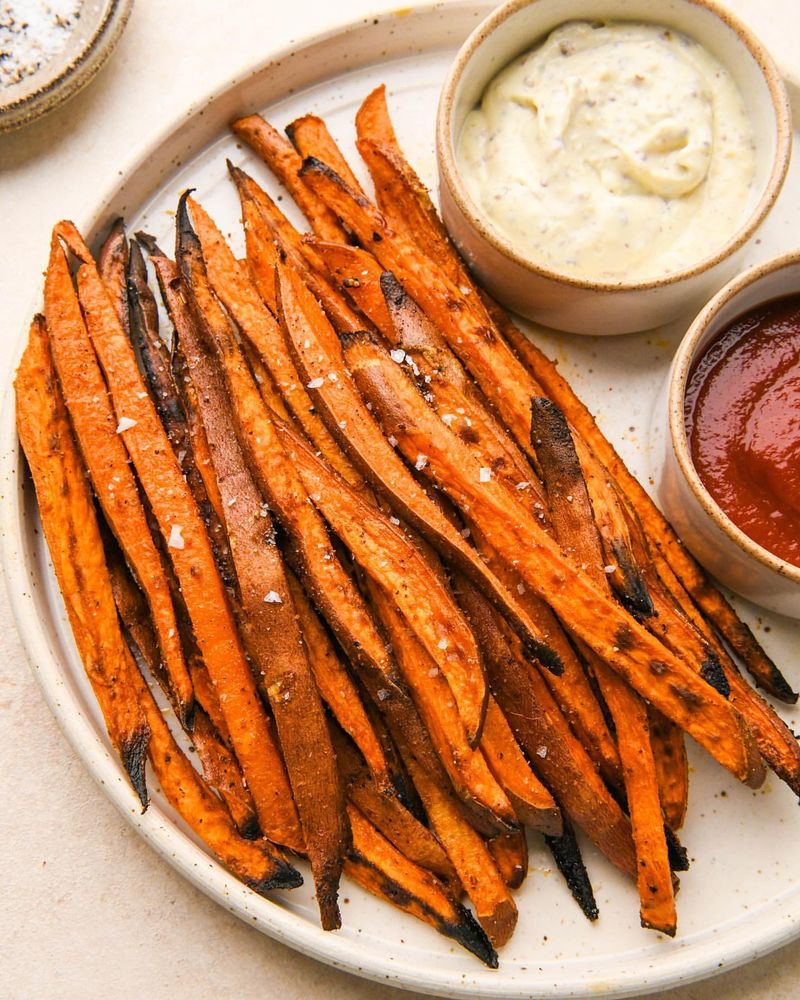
615	151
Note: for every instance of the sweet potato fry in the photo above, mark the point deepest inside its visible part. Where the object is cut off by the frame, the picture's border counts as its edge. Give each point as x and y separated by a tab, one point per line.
337	687
510	854
569	861
674	628
322	365
397	567
777	743
532	802
712	603
112	262
672	767
372	118
222	773
402	829
408	208
100	438
654	874
381	869
482	882
158	372
621	642
472	335
310	137
558	757
570	510
266	388
253	861
284	161
220	769
257	324
273	640
76	550
262	250
678	855
468	770
186	539
400	194
169	285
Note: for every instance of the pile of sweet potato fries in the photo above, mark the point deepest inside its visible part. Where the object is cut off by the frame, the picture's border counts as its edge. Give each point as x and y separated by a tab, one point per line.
401	594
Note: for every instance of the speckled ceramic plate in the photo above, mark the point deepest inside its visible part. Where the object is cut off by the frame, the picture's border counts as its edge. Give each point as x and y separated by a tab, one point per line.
742	895
78	49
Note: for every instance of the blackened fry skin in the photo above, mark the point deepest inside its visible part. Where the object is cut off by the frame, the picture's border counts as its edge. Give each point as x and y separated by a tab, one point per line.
112	262
152	351
678	855
134	757
711	671
772	680
567	856
637	598
285	877
251	830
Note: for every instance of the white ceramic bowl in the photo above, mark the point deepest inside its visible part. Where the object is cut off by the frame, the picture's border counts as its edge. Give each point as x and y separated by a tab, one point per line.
722	547
582	305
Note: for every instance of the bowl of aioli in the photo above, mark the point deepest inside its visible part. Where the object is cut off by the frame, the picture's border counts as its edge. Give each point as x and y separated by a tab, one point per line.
603	163
730	481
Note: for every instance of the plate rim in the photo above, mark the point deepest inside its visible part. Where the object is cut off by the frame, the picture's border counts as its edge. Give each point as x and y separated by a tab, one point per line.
156	826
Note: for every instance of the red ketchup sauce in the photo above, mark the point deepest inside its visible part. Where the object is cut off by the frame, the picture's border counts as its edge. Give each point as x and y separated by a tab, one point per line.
742	415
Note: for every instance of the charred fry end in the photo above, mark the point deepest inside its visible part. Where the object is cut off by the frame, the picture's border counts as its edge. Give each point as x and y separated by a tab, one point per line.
567	856
284	877
134	758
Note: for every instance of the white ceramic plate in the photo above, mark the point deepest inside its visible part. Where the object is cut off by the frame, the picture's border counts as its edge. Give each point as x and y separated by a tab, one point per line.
742	895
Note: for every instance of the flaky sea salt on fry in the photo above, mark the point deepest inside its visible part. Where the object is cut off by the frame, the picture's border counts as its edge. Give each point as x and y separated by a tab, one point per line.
176	537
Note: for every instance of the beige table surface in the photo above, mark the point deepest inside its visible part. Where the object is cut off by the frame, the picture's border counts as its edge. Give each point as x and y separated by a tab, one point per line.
87	909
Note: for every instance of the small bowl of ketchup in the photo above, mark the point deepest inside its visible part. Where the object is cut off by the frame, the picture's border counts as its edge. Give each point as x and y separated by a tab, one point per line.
731	480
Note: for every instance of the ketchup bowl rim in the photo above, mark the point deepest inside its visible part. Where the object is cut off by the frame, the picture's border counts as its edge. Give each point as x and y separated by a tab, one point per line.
685	356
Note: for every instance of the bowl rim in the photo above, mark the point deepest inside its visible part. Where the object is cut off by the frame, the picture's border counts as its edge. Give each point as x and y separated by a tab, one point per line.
679	374
450	174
